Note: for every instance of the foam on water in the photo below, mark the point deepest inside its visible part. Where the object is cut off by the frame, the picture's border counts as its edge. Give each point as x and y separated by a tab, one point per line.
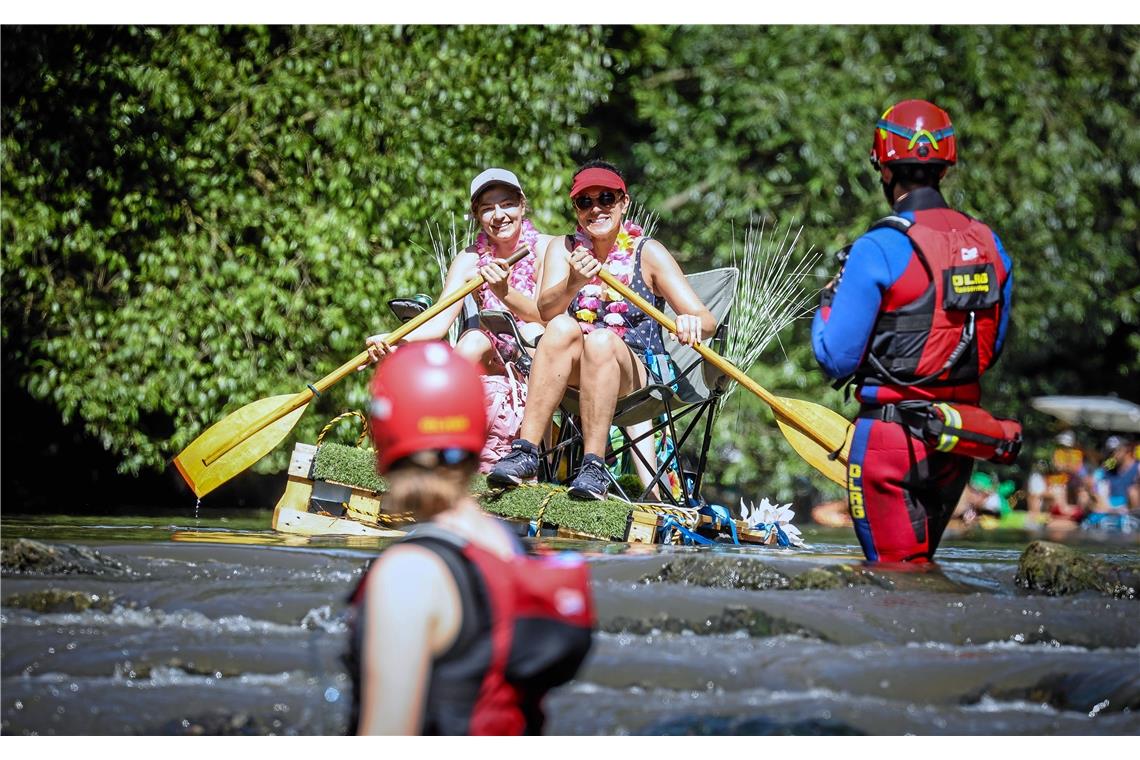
321	618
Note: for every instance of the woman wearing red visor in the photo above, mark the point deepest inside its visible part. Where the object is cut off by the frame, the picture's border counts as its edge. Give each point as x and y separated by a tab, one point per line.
596	340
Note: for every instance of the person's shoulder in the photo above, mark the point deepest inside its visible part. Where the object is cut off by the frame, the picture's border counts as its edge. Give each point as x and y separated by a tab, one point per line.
468	257
654	252
562	243
878	241
544	242
464	264
409	566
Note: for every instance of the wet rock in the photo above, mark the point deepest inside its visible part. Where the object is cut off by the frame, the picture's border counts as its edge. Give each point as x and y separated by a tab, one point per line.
1103	691
716	725
827	578
756	623
27	557
132	671
1057	570
194	669
60	600
144	670
721	572
222	724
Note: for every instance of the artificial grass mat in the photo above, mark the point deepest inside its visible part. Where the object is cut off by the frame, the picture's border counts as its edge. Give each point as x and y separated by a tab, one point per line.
348	465
605	519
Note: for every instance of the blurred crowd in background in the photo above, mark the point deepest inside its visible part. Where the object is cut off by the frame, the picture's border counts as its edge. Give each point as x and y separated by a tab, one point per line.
1090	484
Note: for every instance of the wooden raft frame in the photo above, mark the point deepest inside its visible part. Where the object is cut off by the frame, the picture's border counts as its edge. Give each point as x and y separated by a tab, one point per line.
323	507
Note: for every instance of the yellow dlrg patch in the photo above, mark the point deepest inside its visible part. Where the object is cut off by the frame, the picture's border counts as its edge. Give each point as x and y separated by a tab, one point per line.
977	282
855	491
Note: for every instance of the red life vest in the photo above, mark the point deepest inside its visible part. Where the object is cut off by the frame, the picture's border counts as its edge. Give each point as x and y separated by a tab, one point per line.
526	628
946	336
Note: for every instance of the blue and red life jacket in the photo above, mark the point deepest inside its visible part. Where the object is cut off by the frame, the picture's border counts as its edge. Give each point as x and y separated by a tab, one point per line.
947	336
526	628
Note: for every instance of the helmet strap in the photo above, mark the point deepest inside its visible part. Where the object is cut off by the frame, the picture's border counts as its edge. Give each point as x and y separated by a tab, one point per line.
888	179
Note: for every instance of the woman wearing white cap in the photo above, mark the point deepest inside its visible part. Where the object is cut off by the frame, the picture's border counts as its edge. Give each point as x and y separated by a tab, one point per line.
499	205
598	341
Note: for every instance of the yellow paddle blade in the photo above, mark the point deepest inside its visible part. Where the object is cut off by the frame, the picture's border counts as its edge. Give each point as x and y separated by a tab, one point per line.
203	475
829	426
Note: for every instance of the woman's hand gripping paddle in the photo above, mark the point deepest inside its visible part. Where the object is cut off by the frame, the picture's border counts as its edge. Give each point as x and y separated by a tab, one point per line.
246	435
819	435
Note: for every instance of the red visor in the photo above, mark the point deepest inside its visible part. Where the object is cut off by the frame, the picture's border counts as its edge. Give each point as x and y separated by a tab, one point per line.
597	177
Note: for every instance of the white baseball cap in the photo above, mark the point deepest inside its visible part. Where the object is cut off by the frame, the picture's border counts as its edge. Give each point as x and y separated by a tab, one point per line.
493	176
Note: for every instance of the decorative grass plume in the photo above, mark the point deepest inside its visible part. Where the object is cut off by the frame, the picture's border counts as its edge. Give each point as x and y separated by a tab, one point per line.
643	218
444	253
770	293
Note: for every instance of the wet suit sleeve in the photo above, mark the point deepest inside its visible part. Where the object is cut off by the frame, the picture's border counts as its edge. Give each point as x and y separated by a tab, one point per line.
1006	299
839	333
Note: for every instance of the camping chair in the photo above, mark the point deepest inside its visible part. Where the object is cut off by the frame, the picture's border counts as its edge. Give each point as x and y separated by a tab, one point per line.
690	397
411	307
500	322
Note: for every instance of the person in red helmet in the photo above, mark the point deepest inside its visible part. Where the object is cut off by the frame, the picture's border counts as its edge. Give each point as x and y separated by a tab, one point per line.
456	630
918	313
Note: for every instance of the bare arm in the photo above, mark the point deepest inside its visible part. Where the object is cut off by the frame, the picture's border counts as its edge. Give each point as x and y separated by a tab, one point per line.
521	305
412	612
461	270
564	274
664	276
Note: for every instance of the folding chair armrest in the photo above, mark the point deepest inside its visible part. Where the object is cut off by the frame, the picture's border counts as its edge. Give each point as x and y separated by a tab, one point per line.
411	306
502	323
719	338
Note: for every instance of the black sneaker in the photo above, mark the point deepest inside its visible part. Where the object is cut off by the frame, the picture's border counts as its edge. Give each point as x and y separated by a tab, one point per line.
521	464
592	481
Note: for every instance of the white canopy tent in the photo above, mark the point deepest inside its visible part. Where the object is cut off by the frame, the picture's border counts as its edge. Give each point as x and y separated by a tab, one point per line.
1106	413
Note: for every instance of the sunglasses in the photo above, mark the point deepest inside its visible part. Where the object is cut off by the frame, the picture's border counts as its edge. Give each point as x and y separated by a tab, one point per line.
605	199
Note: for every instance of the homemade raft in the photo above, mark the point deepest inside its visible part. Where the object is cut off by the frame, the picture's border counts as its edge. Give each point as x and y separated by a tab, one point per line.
334	490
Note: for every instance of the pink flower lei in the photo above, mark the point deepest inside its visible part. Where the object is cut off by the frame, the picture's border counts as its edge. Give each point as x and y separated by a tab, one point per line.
521	277
597	305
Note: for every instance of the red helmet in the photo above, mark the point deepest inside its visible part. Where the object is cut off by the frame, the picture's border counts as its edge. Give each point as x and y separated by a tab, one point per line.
914	132
426	397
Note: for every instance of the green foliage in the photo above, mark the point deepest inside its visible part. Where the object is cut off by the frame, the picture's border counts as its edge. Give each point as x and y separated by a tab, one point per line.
195	218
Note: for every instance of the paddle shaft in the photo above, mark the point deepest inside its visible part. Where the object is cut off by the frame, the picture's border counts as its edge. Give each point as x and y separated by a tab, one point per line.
724	365
355	362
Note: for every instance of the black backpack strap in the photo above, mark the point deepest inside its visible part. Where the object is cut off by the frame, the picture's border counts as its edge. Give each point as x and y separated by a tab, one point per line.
472	594
895	222
903	225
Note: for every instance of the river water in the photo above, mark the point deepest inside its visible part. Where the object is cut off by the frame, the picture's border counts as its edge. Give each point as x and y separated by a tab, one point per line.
219	625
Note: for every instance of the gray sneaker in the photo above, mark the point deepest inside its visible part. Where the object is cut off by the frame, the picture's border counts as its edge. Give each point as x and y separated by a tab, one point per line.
521	464
592	481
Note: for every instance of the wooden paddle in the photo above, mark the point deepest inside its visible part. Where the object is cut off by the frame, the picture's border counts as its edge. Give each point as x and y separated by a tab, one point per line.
231	445
819	435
